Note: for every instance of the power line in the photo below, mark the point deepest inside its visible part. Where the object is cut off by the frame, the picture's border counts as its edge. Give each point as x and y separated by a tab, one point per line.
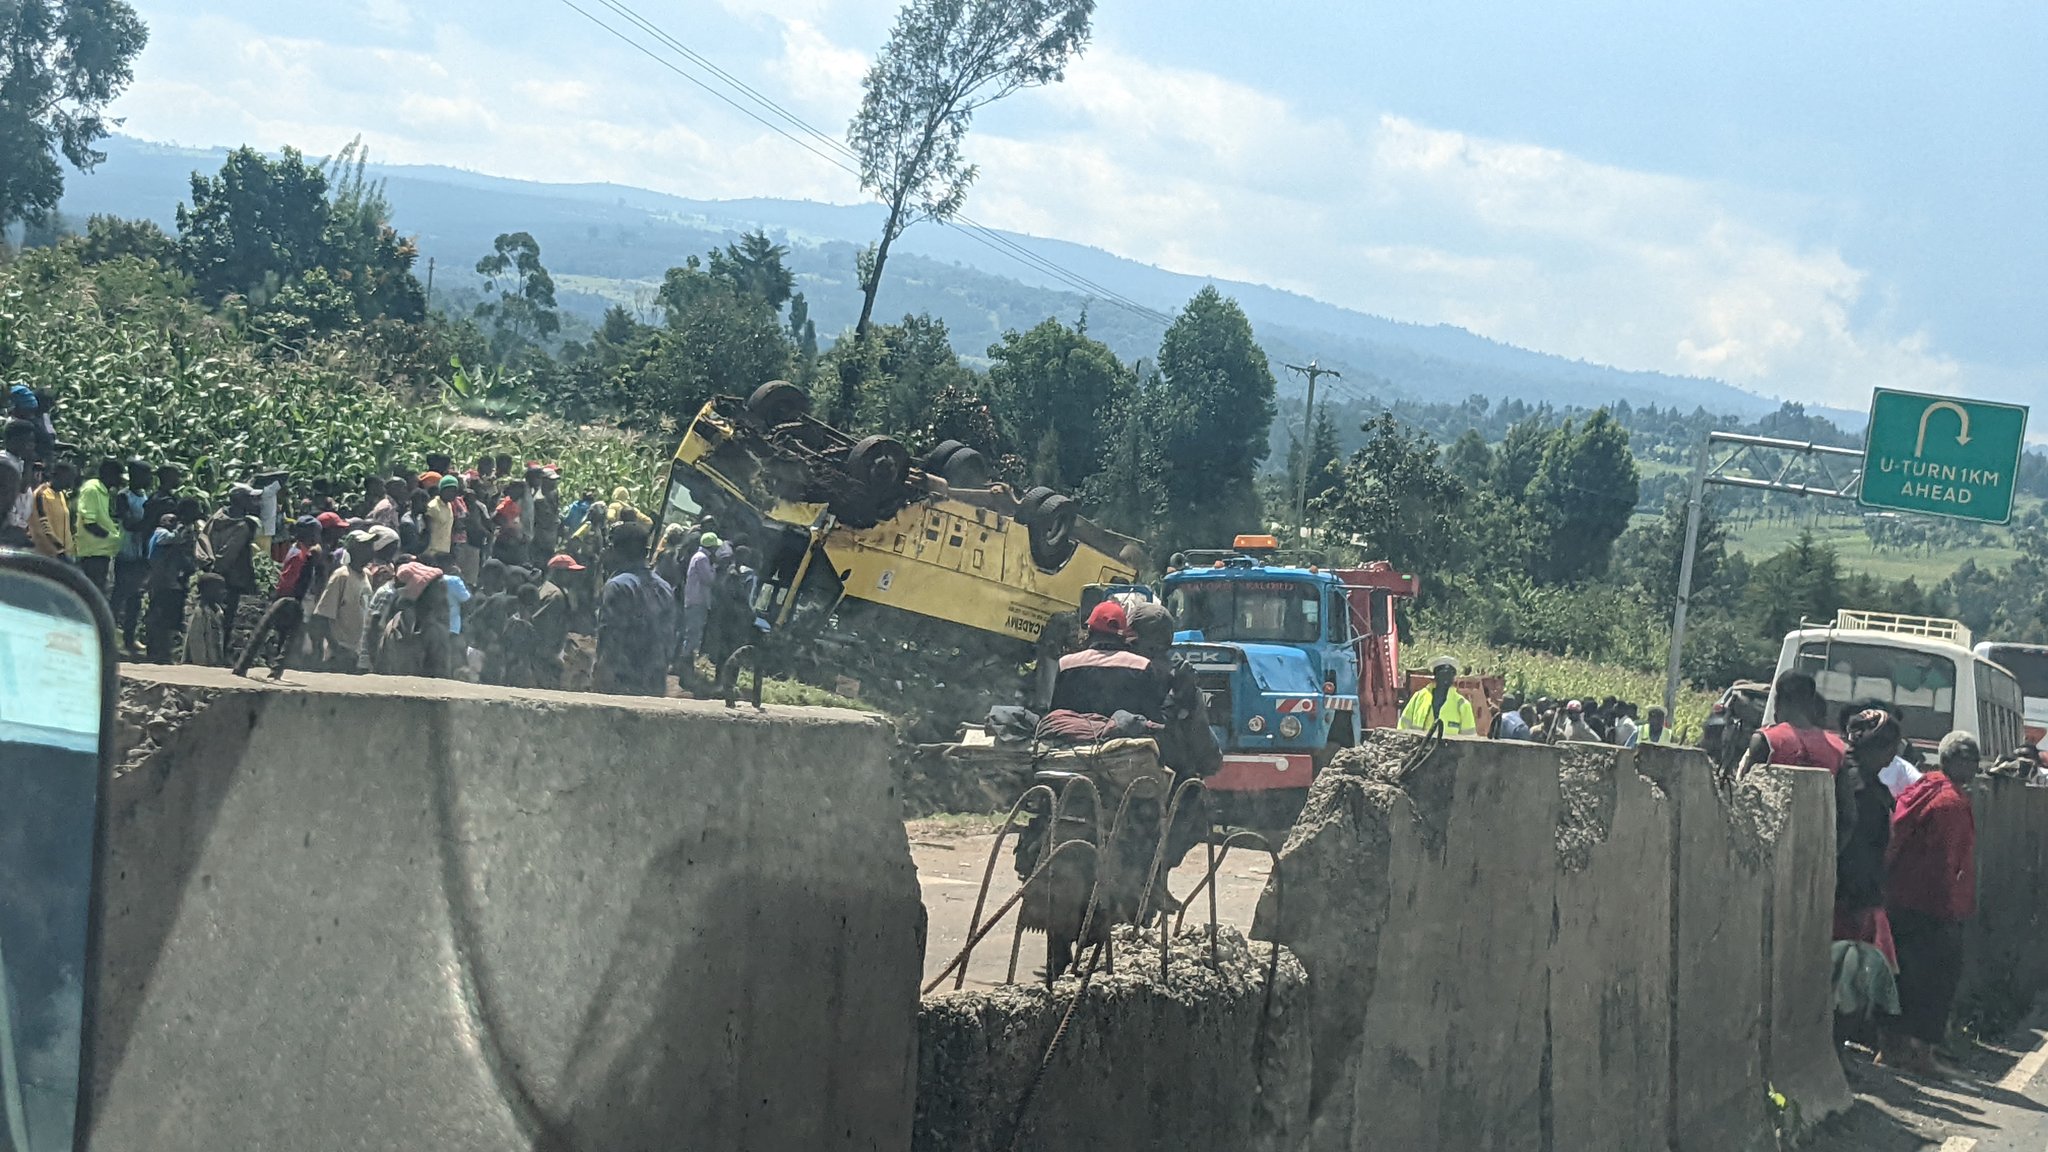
960	221
982	234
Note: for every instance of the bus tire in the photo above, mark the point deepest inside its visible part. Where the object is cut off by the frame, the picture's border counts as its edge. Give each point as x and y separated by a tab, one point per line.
778	402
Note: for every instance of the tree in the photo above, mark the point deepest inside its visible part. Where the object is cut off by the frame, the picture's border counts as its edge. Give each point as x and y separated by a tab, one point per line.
111	237
804	333
755	266
1649	556
1398	498
1214	415
524	312
254	227
1583	494
1059	388
908	365
1469	458
365	253
1519	456
1325	458
61	63
944	60
1127	493
1804	582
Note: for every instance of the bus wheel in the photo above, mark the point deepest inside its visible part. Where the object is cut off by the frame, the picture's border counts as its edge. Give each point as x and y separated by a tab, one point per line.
778	402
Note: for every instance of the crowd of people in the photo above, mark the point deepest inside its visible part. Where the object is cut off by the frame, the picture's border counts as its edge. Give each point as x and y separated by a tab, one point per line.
1905	861
1542	720
480	573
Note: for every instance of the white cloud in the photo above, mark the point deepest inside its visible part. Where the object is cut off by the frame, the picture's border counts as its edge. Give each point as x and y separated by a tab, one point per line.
1179	168
574	116
1522	243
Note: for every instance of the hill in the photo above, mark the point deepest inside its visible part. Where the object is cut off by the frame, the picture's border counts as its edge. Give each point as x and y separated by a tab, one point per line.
612	243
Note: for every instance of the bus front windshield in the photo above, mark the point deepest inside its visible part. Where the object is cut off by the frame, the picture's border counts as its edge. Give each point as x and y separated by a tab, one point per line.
2028	664
1918	687
1283	611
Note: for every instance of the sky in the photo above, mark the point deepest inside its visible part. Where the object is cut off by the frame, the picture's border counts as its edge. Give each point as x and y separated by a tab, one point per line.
1809	200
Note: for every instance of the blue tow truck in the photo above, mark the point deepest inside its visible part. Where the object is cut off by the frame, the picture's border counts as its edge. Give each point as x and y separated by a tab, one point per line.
1295	663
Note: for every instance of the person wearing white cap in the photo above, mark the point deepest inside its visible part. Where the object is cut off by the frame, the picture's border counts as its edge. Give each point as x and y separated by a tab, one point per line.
1440	701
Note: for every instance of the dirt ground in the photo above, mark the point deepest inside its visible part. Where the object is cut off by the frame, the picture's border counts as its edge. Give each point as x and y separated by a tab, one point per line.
952	853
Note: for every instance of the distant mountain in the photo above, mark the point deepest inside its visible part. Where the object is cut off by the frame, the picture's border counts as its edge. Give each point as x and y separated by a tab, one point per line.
609	243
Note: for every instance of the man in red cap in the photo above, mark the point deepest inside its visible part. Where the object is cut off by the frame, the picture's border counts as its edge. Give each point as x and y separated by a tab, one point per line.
1107	677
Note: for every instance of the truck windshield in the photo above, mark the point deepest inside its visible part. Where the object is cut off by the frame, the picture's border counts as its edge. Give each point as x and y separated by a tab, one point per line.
1918	687
1287	611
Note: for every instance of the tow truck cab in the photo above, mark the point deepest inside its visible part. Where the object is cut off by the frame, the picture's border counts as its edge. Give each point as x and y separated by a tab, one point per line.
1295	662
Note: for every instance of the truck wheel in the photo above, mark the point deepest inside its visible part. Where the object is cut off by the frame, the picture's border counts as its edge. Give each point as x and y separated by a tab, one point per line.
881	463
935	460
1028	503
1052	532
966	468
778	402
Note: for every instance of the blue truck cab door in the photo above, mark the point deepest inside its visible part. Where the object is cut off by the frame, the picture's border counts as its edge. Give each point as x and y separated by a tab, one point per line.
1340	669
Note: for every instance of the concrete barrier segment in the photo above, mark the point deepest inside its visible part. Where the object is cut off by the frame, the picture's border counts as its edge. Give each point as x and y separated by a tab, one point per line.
360	912
1513	946
1206	1060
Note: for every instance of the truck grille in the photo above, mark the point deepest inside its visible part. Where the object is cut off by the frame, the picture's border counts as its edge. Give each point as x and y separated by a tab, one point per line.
1216	695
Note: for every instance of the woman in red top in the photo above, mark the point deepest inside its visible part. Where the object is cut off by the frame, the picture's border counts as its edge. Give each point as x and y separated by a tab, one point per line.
1931	889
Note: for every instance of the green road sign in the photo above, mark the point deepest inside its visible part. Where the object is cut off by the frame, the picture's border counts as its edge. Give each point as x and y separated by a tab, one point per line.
1943	456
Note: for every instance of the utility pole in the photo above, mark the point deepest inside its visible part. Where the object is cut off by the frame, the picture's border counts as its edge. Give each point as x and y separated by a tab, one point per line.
430	281
1313	371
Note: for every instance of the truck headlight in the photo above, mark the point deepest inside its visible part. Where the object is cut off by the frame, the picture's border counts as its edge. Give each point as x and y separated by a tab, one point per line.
1290	726
1256	724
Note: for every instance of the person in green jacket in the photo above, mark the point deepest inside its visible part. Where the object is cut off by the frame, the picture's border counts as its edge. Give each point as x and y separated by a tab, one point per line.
99	536
1440	701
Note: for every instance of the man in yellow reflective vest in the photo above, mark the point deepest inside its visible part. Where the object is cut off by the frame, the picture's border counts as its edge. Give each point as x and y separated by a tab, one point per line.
1440	701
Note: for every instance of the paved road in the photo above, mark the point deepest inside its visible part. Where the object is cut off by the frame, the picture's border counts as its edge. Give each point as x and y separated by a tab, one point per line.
950	861
1996	1100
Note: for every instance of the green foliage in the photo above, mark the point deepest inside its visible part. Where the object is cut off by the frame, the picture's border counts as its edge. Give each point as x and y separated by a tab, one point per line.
1583	493
139	367
265	234
1397	499
61	63
1214	411
903	370
254	227
944	60
1059	388
1128	494
111	237
1534	673
524	313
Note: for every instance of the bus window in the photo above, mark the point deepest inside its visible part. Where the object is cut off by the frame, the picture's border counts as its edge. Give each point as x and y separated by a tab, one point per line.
1918	687
1999	706
2028	664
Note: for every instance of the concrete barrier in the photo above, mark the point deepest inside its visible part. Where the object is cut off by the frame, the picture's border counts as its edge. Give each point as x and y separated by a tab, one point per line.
372	913
1206	1060
1518	947
2004	964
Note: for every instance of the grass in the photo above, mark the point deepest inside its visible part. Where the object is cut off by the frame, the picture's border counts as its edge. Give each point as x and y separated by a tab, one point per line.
1547	674
805	695
1762	540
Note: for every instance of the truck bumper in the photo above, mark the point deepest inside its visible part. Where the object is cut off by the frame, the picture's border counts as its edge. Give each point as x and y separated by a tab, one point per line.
1262	772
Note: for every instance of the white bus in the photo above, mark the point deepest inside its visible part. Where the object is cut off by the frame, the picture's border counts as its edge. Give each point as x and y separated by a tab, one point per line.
1919	668
2028	664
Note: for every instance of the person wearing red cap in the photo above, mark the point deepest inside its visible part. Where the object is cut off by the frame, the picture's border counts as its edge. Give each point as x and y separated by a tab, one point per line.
551	619
1107	677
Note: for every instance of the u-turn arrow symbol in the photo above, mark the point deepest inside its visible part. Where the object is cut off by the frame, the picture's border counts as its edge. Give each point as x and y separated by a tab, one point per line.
1962	414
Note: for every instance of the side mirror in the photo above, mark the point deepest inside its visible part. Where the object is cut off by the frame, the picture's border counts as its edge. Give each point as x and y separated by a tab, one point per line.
57	671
